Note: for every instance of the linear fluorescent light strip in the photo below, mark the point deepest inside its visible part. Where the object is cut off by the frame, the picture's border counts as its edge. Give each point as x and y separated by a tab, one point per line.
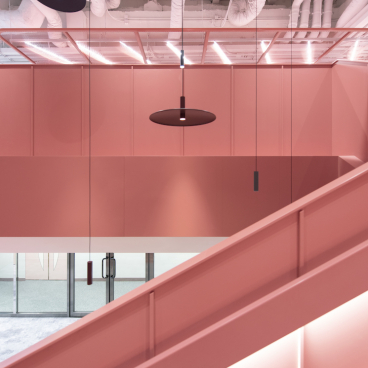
309	53
48	54
177	53
93	54
132	52
220	53
267	56
353	54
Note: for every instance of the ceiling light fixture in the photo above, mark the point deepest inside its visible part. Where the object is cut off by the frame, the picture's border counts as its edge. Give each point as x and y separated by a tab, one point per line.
93	54
309	53
131	52
48	54
66	6
178	54
221	53
353	53
182	117
267	56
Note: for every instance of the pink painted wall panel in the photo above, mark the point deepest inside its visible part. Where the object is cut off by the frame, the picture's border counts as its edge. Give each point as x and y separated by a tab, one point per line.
107	206
327	239
312	112
174	196
122	100
270	123
44	196
156	90
209	90
57	111
151	196
244	103
350	115
111	111
16	109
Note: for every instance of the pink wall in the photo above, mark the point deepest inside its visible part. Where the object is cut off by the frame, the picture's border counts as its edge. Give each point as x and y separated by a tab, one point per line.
47	111
149	196
349	114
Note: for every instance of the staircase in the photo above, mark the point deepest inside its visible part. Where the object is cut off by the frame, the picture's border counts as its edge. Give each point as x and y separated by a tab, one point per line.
234	298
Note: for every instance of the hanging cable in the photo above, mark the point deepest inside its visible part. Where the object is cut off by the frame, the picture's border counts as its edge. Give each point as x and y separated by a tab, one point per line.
89	263
256	174
291	110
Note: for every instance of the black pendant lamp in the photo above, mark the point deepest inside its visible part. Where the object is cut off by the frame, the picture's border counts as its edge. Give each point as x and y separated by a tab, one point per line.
66	6
183	116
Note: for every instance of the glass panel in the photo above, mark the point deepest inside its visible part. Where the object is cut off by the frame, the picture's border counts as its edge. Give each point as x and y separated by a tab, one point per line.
89	297
130	272
6	282
42	285
166	261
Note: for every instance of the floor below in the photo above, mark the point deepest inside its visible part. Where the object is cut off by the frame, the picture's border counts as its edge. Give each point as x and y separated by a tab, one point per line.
17	334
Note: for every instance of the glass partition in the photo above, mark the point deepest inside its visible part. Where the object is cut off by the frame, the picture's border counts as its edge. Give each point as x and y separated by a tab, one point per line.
42	282
7	275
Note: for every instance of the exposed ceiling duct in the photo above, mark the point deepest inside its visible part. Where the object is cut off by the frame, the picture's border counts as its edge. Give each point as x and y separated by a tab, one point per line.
242	12
294	16
304	18
327	17
53	21
317	17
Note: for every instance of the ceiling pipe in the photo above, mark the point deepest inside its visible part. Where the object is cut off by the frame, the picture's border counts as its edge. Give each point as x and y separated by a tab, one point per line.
294	16
327	16
26	16
317	17
177	6
352	10
304	18
242	12
53	21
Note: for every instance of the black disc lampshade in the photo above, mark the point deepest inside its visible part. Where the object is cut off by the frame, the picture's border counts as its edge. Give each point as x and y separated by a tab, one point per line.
66	6
182	117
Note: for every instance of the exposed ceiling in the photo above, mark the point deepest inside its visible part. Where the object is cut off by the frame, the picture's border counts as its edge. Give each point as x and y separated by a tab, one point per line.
137	32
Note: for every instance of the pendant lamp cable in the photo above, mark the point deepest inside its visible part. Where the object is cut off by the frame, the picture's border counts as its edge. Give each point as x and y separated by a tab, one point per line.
256	174
291	109
256	87
89	138
89	263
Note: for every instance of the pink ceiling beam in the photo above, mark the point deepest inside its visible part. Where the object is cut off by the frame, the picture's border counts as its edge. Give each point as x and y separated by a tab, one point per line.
70	38
275	37
137	36
332	47
160	30
17	50
205	46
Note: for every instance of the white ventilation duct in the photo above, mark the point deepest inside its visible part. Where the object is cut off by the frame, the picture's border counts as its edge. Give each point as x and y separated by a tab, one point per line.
242	12
304	18
294	16
26	16
53	21
112	4
317	17
327	16
353	9
98	7
176	17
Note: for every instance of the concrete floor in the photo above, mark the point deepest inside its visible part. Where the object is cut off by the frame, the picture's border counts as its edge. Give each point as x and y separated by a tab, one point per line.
17	334
47	296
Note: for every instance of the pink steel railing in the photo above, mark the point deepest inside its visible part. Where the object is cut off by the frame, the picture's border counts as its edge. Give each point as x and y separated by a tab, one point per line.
253	282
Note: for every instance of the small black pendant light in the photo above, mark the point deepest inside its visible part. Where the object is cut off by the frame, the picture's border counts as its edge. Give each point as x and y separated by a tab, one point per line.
66	6
183	116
